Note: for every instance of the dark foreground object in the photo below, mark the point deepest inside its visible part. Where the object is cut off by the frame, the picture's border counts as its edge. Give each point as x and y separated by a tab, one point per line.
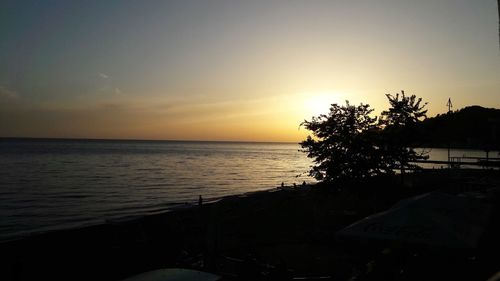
279	235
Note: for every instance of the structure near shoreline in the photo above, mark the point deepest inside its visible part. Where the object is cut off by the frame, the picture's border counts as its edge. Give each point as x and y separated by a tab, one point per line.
434	219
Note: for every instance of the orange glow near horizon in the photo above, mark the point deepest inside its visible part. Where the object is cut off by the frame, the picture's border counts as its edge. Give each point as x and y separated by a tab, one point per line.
235	70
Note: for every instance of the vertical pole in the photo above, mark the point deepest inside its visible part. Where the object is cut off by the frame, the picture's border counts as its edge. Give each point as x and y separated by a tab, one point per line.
449	158
450	106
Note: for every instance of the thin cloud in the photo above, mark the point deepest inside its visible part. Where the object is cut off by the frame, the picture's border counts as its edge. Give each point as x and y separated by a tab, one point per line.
6	93
118	91
103	76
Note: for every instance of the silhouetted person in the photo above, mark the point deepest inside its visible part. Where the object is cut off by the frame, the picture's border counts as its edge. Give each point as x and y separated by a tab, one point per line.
200	201
303	183
282	184
294	185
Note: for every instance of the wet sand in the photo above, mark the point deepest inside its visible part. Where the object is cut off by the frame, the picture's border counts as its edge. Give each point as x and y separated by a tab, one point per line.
273	235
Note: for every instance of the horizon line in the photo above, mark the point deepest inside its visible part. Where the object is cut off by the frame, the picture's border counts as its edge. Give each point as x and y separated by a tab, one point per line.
139	140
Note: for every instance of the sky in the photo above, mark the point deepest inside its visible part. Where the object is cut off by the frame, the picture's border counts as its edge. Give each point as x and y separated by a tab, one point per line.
234	70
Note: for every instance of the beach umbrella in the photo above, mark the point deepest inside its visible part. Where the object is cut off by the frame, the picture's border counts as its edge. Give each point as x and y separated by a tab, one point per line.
174	274
434	219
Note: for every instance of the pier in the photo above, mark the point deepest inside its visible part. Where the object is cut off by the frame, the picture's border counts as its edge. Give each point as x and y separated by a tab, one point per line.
457	162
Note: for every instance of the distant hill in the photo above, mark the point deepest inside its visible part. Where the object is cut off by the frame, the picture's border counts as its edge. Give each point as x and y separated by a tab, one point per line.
471	127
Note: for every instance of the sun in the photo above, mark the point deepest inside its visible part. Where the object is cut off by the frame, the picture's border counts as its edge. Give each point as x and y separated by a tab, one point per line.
319	103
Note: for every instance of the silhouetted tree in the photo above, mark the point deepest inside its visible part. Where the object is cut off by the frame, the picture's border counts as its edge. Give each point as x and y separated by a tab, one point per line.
348	143
400	130
404	111
341	145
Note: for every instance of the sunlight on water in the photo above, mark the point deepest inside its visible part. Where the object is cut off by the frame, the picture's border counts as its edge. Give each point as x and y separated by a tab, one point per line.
53	184
57	184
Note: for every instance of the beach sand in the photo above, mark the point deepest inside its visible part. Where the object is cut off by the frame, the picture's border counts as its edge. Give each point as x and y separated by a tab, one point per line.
271	235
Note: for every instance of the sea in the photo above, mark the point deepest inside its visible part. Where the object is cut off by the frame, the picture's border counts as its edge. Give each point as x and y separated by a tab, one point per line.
53	184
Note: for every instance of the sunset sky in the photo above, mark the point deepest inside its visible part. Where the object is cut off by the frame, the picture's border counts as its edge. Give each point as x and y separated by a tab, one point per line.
234	70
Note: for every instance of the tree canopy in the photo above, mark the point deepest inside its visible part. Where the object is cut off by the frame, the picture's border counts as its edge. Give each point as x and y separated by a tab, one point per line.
399	130
404	111
340	145
350	143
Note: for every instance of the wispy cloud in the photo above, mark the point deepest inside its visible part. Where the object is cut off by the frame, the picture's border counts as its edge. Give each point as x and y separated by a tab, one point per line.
103	76
118	91
6	93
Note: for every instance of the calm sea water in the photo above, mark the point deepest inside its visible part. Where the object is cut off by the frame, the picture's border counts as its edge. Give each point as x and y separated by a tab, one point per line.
54	184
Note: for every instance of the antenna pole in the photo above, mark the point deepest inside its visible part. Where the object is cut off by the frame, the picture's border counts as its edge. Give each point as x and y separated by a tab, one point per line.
450	106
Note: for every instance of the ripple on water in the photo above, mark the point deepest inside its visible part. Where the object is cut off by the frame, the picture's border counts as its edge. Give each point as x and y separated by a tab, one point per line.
53	185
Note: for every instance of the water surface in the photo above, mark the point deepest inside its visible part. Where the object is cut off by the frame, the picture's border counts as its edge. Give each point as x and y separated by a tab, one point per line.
53	184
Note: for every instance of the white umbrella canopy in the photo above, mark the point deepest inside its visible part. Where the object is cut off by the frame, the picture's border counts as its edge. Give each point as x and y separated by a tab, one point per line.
435	219
174	274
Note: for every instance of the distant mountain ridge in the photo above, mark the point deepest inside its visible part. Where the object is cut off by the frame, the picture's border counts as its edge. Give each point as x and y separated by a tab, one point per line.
470	127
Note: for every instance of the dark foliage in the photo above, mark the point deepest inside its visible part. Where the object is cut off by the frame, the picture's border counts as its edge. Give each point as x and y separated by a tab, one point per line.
405	111
341	145
400	130
349	143
471	127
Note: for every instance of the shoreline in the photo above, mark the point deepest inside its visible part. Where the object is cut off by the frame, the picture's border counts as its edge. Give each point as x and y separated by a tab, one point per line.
175	207
292	228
